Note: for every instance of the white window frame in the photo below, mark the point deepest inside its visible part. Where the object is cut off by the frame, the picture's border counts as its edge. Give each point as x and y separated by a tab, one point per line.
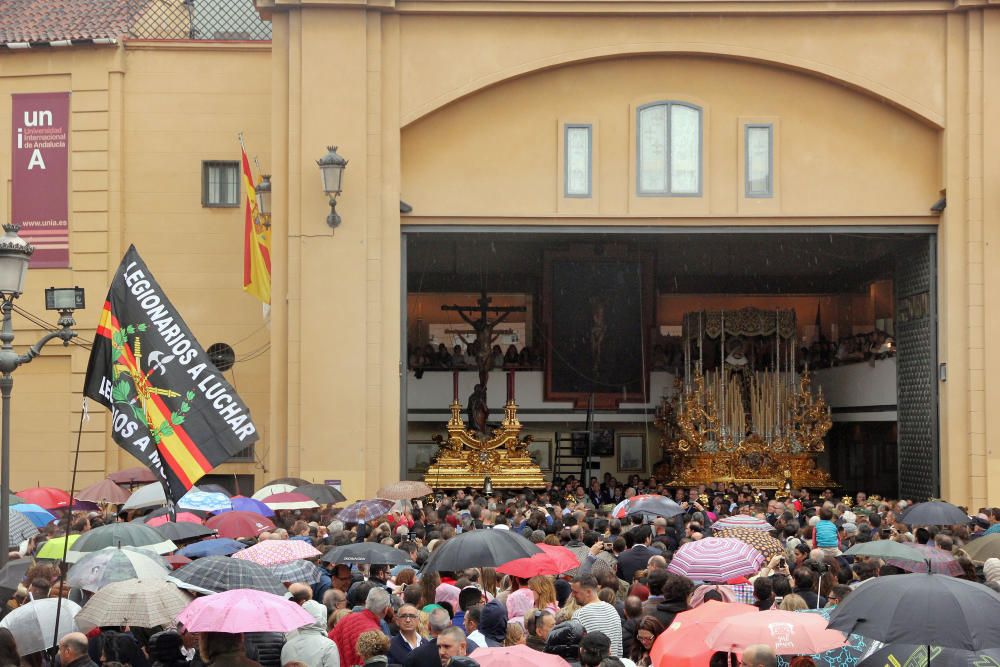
769	193
590	160
668	192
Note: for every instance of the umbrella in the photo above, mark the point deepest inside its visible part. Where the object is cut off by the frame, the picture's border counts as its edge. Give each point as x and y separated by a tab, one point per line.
297	571
993	530
46	496
183	531
982	548
479	548
758	539
215	488
179	517
32	624
167	513
177	561
324	494
741	521
940	561
552	560
367	510
404	491
272	489
290	500
515	656
99	568
119	535
239	611
243	504
913	654
15	500
934	513
787	632
222	546
855	648
289	481
216	574
140	603
715	559
53	548
105	491
372	553
12	575
275	552
35	514
650	504
132	476
204	501
929	608
885	549
682	644
144	497
18	527
239	524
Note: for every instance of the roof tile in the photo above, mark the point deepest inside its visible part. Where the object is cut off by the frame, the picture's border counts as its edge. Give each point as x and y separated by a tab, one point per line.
36	21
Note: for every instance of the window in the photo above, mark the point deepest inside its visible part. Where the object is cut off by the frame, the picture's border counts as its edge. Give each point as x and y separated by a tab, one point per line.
669	149
220	184
577	159
759	162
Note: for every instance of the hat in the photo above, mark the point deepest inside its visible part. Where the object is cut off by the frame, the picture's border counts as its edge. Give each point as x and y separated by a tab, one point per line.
991	569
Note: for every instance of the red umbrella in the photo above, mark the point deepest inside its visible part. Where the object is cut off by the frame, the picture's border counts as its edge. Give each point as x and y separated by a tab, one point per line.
786	632
683	643
239	524
46	497
136	475
177	561
182	517
552	560
515	656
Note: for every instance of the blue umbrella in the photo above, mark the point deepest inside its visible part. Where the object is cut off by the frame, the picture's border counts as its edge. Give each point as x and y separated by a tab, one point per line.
203	500
35	514
848	655
222	546
239	503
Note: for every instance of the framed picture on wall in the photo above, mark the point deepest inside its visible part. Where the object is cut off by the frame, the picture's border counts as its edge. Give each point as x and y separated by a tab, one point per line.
631	452
540	450
419	454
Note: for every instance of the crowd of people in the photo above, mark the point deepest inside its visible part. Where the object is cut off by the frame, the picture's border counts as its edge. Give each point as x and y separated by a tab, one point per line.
608	611
430	358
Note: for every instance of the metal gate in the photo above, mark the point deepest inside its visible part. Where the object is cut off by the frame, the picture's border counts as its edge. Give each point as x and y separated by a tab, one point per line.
916	369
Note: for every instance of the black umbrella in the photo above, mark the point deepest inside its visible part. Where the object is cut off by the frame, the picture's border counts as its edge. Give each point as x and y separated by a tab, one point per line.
119	535
912	654
655	506
217	574
290	481
480	548
163	511
934	513
11	575
184	530
324	494
931	608
365	552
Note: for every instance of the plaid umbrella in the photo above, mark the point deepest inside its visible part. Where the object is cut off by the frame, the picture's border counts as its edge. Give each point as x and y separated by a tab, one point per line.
215	574
365	509
106	566
758	539
105	491
275	552
204	500
297	571
941	562
741	521
119	535
19	528
404	491
716	559
140	603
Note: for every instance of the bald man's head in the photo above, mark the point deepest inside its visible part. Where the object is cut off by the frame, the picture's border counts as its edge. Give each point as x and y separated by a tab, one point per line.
301	593
72	646
759	655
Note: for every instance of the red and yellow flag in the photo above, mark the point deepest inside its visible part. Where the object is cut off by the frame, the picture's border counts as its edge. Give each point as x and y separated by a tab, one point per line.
256	241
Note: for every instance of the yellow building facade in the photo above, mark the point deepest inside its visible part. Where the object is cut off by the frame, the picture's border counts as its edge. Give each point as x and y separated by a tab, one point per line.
878	109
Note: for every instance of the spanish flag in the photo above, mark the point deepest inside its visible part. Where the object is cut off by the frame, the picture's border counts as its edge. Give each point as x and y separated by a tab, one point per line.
256	240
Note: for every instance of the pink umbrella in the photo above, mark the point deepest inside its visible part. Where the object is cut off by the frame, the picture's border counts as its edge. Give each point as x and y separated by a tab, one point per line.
941	561
290	501
515	656
715	559
275	552
182	517
243	610
787	632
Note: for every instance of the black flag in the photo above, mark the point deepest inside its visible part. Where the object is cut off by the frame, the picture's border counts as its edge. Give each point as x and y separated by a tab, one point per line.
170	407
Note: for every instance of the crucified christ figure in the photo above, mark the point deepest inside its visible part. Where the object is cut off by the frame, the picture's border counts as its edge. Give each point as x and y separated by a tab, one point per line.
483	328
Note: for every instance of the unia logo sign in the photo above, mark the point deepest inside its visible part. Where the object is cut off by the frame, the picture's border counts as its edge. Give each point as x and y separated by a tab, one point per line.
34	118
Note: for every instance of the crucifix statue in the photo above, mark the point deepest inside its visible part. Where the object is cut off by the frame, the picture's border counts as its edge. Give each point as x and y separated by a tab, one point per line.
485	333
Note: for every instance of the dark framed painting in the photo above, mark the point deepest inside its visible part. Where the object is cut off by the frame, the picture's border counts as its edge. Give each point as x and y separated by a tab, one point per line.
631	452
598	309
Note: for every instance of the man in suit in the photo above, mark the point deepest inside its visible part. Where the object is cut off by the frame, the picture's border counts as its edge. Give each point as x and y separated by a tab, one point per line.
637	557
427	655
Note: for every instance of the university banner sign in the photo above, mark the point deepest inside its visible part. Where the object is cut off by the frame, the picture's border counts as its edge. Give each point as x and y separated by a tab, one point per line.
39	175
170	407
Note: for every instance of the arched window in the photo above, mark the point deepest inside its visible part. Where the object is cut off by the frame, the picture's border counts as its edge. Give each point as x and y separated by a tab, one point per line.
668	149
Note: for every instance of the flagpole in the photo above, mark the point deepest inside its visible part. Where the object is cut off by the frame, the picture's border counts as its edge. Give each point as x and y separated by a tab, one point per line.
69	517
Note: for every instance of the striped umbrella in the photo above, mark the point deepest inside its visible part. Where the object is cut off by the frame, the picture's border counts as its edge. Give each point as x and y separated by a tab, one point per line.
716	559
941	562
367	510
276	552
19	528
741	521
758	539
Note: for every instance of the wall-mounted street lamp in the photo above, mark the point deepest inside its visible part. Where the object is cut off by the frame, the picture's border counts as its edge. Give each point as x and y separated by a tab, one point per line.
263	194
15	253
331	170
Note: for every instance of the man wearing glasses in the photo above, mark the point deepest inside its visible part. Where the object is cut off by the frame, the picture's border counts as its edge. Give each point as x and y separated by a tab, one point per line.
408	637
341	578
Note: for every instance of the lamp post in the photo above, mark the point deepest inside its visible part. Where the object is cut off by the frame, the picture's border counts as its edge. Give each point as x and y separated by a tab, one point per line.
331	170
15	253
263	194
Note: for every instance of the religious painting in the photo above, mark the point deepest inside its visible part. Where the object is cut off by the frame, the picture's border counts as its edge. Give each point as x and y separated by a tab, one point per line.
540	450
598	309
602	443
631	452
419	454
